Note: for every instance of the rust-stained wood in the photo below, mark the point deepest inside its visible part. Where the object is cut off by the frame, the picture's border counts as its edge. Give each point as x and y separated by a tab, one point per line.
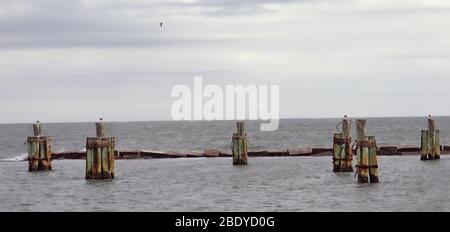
348	167
366	143
348	156
93	143
367	164
100	154
33	154
42	156
346	127
239	146
342	148
39	153
39	150
373	162
338	151
363	160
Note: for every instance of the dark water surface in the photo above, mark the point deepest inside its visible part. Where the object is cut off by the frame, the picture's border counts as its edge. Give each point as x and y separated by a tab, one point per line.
202	184
213	184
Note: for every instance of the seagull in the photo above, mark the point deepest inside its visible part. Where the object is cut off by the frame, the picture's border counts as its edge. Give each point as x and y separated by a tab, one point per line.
160	24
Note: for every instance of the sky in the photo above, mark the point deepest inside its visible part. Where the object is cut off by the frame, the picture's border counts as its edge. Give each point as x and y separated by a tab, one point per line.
77	60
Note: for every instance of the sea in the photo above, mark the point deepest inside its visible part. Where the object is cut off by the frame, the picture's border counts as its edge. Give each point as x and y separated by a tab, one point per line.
214	184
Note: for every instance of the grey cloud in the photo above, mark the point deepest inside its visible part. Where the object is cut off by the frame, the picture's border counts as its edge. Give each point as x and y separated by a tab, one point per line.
55	24
238	7
102	41
314	52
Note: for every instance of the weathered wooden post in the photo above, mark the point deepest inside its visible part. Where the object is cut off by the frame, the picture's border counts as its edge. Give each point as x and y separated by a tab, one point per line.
346	129
431	138
373	162
360	129
100	154
367	167
366	152
239	145
39	150
338	152
362	151
430	142
342	148
424	145
437	145
360	134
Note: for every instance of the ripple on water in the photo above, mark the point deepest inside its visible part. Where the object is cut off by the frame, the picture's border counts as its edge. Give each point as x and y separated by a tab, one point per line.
268	184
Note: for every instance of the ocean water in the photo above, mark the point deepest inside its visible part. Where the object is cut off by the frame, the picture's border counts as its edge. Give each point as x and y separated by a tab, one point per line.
213	184
200	135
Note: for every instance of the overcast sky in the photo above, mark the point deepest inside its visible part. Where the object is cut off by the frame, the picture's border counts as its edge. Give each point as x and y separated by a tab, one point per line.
76	60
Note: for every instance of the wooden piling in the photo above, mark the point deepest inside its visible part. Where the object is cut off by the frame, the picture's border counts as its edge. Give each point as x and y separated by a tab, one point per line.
342	147
360	129
431	138
361	154
430	146
346	127
430	142
424	145
339	163
373	162
366	154
437	145
100	154
363	160
348	154
239	146
367	167
37	129
39	150
100	128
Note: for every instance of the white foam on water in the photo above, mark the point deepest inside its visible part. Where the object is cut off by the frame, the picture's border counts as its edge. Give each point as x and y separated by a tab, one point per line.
18	158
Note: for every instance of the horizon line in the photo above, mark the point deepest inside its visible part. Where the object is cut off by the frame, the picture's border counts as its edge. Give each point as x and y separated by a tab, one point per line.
166	120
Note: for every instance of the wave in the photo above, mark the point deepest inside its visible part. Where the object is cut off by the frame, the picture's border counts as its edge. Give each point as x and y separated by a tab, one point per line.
18	158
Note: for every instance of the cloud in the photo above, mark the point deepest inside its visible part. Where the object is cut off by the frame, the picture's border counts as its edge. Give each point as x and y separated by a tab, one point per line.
70	52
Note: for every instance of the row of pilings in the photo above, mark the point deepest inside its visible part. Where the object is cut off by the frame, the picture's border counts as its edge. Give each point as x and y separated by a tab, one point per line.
100	150
366	151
